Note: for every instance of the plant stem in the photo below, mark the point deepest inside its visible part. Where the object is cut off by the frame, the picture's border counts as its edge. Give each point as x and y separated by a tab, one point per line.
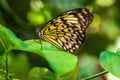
6	56
7	66
94	76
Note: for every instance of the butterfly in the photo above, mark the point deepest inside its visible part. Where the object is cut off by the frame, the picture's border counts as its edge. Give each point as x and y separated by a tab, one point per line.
67	30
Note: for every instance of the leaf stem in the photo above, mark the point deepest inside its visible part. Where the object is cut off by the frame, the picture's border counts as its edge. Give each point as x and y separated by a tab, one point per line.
94	76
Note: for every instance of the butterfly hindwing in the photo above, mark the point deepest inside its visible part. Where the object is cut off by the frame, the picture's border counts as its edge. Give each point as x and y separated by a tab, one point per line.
67	31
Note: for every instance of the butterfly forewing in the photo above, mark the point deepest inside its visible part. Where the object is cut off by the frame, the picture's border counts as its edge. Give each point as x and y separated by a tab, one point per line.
67	31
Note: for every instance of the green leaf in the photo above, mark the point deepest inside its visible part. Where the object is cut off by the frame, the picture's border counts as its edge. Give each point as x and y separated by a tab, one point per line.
60	61
111	62
9	41
42	73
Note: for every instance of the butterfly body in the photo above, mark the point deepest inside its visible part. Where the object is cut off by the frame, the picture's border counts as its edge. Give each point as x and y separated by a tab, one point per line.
67	31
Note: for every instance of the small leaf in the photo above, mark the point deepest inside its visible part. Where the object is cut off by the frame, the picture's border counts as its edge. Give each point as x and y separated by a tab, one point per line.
42	73
111	62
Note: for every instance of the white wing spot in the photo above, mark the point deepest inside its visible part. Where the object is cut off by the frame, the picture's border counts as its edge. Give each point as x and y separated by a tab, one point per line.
76	46
83	10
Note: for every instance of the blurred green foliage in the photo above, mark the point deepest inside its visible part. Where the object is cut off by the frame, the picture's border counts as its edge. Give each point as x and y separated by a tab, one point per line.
22	17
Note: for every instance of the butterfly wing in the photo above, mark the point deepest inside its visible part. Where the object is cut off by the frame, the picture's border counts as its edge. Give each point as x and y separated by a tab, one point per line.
67	31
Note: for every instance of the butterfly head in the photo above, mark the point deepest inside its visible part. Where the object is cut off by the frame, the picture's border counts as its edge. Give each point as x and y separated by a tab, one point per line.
39	32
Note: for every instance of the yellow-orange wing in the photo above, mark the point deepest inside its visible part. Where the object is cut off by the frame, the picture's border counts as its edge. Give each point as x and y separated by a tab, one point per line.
67	31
